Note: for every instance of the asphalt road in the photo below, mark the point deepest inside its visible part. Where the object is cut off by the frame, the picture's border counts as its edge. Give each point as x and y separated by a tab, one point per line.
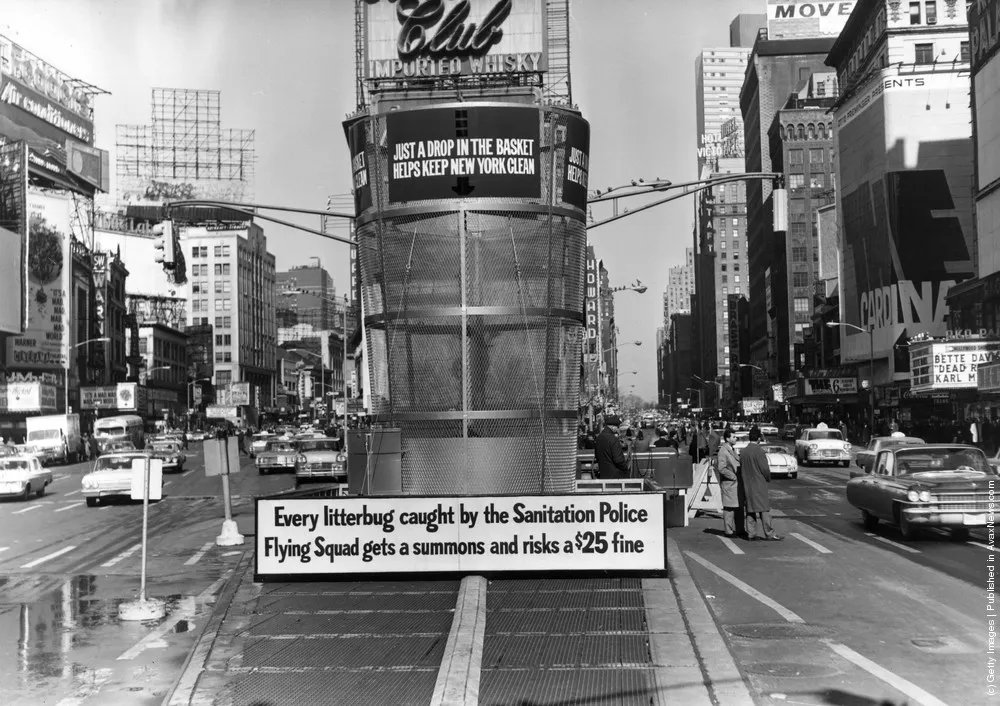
838	615
65	568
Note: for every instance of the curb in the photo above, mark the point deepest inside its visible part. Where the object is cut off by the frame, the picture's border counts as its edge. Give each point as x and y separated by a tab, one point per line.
726	683
182	690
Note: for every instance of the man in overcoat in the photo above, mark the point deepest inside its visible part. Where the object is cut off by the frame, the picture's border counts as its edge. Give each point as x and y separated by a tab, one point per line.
611	462
756	475
728	469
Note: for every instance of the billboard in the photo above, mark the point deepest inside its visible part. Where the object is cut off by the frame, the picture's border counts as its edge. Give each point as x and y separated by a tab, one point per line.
949	365
576	172
906	156
753	405
830	386
240	393
478	152
27	397
131	396
356	141
149	191
14	236
104	397
801	19
44	344
448	38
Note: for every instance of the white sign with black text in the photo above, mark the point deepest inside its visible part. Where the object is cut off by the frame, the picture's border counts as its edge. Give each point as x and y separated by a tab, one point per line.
544	533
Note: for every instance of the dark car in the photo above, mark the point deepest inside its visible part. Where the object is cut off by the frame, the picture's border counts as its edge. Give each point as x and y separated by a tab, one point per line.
790	432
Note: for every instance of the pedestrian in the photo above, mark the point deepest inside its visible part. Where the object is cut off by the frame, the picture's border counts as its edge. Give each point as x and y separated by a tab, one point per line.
85	444
703	442
661	440
727	471
756	474
95	448
611	462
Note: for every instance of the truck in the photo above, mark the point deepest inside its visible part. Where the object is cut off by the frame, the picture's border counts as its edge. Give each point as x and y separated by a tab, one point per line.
54	437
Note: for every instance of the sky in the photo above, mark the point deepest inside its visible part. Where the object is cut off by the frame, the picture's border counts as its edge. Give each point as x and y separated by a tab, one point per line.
285	69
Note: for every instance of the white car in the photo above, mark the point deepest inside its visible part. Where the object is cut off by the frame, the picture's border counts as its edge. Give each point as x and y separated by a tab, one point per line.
112	475
768	430
259	442
279	454
822	445
780	462
23	475
322	459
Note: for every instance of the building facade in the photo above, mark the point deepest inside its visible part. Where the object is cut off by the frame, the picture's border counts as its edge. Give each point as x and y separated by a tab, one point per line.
305	294
232	289
164	353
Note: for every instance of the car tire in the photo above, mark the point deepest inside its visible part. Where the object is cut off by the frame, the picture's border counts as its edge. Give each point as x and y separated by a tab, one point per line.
846	464
868	520
793	475
907	529
27	492
93	502
41	491
959	534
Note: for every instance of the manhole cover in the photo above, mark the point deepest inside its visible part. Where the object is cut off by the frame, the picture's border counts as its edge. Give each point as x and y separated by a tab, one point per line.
791	670
776	631
942	644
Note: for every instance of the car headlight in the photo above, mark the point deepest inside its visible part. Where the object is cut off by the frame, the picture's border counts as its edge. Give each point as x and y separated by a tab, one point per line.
925	496
88	482
300	459
340	458
847	447
814	447
913	496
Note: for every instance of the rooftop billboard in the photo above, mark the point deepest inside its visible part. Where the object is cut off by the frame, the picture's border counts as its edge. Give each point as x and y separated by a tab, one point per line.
803	19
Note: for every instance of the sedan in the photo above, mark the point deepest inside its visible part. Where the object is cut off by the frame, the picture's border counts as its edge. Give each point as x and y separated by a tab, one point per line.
933	485
277	455
866	457
170	452
790	432
768	430
23	475
321	459
112	475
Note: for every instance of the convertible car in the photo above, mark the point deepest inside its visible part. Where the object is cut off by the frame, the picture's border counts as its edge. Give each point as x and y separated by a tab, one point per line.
933	485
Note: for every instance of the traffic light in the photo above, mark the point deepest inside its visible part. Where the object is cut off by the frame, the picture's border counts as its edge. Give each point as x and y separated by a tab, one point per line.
164	244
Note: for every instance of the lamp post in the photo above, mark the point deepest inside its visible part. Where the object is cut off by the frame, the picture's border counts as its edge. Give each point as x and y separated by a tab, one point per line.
103	339
871	367
189	386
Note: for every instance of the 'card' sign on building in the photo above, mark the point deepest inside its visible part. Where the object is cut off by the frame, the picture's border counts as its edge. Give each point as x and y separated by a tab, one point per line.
439	38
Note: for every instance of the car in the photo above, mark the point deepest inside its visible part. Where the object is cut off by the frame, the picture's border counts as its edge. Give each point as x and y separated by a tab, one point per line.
170	451
259	442
320	459
866	457
822	445
8	450
930	485
790	432
780	462
111	476
112	447
21	476
279	454
768	430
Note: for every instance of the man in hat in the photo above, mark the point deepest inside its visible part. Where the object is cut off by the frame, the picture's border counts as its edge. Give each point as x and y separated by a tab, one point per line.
755	474
611	461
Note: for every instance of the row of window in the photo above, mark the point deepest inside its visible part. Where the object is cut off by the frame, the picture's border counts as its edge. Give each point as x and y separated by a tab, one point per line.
223	321
223	339
220	305
201	251
736	267
202	270
798	181
222	286
817	155
736	280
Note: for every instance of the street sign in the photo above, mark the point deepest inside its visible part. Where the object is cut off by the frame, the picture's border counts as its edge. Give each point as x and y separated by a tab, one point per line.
215	462
139	478
218	411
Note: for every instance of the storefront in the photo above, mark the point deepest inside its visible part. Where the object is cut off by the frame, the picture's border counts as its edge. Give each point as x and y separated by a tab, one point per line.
19	400
826	395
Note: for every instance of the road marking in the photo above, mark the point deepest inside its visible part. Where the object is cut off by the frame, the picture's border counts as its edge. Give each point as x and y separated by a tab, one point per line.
167	483
905	548
53	555
106	507
815	545
60	476
70	507
3	549
199	554
748	589
123	555
816	479
73	492
27	509
897	682
185	474
984	546
731	545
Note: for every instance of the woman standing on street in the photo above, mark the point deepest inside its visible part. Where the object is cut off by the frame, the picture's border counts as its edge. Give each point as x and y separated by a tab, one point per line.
727	469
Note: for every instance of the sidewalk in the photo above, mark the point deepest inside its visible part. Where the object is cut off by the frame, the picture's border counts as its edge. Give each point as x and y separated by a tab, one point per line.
545	641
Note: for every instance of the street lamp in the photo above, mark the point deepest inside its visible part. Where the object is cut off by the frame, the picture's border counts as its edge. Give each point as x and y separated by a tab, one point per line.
189	386
755	367
638	287
627	343
158	367
103	339
871	367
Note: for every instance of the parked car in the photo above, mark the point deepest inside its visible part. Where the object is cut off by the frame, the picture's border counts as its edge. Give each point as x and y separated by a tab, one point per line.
170	451
112	475
929	485
279	454
866	457
320	459
790	432
23	475
822	445
259	442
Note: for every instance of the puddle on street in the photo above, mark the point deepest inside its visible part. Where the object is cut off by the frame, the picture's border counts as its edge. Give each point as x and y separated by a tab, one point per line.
59	641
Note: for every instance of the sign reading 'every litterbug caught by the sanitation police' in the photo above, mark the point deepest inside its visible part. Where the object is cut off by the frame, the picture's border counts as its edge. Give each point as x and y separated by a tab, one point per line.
482	534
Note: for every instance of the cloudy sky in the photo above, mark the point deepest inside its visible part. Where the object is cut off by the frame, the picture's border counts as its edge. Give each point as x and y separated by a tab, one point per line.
285	68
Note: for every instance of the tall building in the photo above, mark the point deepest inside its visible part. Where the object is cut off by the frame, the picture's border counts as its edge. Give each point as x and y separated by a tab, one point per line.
905	188
232	288
680	287
310	304
744	28
777	68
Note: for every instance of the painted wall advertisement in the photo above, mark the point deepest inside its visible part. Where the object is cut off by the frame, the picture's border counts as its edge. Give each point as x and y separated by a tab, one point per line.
800	19
14	237
949	365
44	343
447	153
434	38
27	397
102	397
550	533
905	209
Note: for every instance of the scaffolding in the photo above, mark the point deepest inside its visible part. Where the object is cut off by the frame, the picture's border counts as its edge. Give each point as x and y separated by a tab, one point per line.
557	88
184	153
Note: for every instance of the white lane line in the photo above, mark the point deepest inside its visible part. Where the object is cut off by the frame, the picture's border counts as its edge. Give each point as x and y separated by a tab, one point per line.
106	507
123	555
167	483
73	492
27	509
199	554
815	545
70	507
984	546
748	589
731	545
3	549
185	474
905	548
60	476
53	555
897	682
816	479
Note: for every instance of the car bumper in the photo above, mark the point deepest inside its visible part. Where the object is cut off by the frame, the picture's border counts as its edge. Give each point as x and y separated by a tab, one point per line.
105	492
10	488
929	517
831	456
783	470
273	464
308	474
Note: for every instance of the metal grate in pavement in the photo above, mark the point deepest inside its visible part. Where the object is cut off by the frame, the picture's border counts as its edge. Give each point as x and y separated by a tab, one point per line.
572	621
354	623
378	688
355	601
561	687
535	585
345	652
337	587
563	600
546	652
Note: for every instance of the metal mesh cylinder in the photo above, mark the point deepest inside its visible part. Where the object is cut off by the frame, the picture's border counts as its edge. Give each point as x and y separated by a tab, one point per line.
473	313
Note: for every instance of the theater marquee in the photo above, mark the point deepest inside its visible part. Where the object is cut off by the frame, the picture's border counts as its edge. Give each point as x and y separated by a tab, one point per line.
434	38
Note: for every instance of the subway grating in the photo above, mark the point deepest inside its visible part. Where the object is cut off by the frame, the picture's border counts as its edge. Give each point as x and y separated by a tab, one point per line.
357	601
360	653
378	688
355	623
562	651
561	687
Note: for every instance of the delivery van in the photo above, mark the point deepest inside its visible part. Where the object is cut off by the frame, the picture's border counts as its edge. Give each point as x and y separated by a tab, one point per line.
54	437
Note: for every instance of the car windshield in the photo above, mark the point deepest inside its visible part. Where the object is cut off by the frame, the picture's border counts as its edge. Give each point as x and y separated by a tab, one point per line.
319	445
164	446
951	458
279	446
14	465
896	443
110	431
825	434
115	463
40	434
262	437
775	450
